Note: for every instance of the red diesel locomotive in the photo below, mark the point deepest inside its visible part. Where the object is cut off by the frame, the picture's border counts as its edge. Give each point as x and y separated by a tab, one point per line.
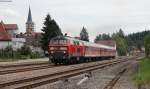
68	50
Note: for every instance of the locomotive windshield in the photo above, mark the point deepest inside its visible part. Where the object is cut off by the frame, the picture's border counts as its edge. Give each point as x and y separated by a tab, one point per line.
58	40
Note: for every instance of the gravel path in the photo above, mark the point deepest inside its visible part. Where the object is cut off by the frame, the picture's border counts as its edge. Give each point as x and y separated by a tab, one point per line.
99	79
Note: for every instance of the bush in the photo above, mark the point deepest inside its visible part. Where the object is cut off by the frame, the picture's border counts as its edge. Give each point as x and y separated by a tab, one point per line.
25	50
121	44
23	53
147	45
6	53
16	55
35	55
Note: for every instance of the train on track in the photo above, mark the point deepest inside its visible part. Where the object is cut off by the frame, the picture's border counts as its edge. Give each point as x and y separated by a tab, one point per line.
68	50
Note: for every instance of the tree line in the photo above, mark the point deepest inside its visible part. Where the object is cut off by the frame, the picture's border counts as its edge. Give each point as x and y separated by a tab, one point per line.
137	39
119	38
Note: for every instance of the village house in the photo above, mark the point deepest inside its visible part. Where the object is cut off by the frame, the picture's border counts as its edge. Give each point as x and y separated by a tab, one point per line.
8	34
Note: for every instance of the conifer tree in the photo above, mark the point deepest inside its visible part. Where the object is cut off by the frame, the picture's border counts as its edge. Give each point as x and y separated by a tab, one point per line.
84	34
50	30
121	33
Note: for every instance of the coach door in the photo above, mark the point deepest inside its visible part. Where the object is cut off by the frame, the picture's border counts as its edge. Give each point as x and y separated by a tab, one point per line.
77	51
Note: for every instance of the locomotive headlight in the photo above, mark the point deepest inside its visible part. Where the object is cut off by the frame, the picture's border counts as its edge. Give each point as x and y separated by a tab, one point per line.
52	51
64	51
51	48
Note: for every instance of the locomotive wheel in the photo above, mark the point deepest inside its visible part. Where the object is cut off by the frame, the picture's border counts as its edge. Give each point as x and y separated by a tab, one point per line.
71	61
87	60
74	60
50	59
65	61
61	61
78	59
82	60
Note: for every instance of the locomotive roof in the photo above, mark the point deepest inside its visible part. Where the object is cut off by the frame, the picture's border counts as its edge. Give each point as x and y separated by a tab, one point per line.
92	44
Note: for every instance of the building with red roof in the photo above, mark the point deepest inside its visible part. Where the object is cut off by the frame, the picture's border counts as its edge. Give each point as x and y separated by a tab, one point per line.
7	31
4	36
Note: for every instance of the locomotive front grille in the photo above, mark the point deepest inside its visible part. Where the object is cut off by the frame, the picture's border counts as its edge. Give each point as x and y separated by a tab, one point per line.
59	55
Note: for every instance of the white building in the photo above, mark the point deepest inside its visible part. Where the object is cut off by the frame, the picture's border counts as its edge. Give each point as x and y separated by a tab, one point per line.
7	31
18	43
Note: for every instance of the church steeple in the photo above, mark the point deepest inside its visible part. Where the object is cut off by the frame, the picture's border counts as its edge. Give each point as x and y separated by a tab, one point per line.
29	16
29	23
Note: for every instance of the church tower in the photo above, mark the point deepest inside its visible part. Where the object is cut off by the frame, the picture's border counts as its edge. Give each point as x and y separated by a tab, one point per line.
29	24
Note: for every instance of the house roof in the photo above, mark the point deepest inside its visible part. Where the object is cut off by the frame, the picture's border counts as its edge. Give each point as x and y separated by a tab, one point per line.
3	34
11	26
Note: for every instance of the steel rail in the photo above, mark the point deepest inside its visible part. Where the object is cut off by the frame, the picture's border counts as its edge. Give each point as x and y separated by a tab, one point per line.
30	68
112	83
22	64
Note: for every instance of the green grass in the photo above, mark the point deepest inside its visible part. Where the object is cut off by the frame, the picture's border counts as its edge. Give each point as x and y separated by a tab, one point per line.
143	74
8	60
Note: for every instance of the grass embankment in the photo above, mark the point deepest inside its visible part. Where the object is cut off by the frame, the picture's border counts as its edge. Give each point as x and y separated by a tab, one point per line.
143	74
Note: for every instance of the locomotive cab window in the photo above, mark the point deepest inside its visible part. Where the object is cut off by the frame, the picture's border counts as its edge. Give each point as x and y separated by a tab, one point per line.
58	40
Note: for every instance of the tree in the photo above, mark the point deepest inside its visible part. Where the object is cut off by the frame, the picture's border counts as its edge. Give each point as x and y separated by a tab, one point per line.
84	34
50	30
102	37
147	45
25	50
121	43
98	38
121	33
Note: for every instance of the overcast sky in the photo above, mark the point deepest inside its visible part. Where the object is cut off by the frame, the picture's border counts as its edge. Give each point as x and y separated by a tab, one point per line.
98	16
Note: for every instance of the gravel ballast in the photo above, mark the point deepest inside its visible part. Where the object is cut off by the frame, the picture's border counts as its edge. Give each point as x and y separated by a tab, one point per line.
99	79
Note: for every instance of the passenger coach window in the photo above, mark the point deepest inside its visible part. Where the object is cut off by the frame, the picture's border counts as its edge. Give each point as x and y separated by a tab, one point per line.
76	42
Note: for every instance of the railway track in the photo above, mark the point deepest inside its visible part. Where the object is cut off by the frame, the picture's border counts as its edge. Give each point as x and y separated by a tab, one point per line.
49	78
115	80
8	69
112	83
25	68
22	64
16	68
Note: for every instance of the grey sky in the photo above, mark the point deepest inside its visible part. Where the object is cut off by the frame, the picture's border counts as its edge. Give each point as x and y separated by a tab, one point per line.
98	16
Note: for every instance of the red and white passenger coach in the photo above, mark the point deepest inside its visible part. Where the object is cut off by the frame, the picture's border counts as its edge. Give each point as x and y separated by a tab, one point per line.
68	50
